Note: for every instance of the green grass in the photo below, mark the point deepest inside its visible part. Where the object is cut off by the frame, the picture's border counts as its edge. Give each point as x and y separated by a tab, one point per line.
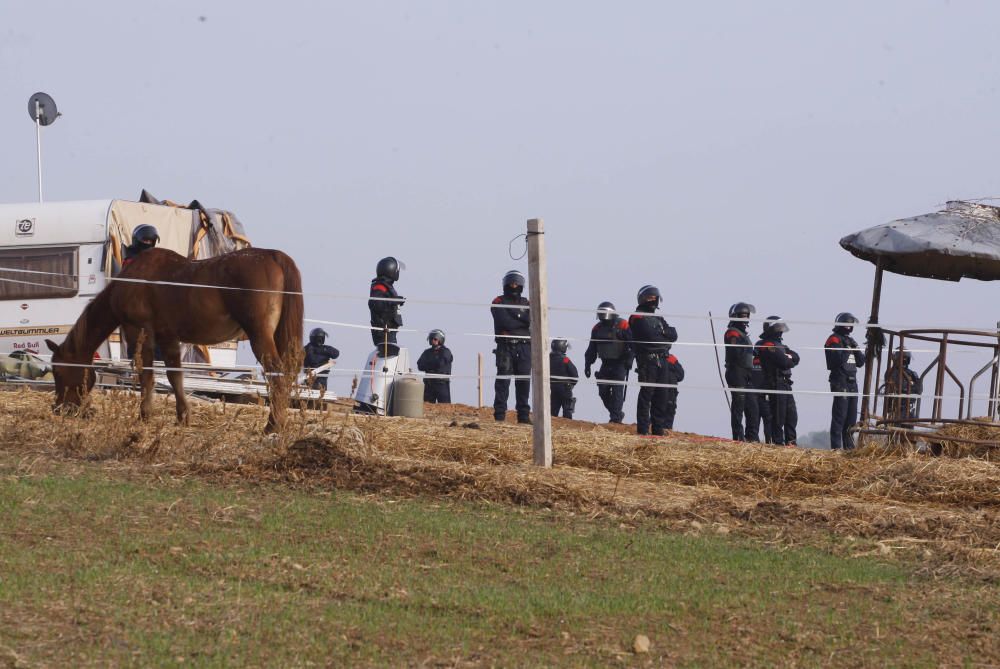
99	570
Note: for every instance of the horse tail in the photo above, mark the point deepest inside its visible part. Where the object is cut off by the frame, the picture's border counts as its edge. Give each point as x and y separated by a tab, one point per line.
288	337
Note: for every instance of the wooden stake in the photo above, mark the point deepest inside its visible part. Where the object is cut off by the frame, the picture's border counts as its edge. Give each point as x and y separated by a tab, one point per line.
539	295
480	380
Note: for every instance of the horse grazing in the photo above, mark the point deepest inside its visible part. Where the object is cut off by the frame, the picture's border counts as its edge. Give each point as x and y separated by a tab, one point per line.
256	292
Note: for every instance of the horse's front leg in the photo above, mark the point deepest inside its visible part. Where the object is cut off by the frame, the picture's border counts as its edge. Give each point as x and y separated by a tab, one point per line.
172	357
146	378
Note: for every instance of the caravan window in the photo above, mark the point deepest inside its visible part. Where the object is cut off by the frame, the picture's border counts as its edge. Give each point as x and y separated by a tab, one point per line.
61	281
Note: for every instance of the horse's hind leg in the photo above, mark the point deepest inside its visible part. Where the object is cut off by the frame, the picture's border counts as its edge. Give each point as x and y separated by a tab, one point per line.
267	353
172	357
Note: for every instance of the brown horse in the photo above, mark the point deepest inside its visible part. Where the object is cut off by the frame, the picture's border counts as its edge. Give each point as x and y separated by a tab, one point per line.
260	295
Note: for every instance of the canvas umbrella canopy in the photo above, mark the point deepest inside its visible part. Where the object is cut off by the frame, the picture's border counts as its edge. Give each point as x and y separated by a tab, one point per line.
962	241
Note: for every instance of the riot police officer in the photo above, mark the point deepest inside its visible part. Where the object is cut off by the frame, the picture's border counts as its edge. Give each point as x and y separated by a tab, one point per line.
610	340
675	374
512	327
901	380
763	399
777	361
843	358
651	339
384	308
561	397
317	354
144	237
436	360
739	372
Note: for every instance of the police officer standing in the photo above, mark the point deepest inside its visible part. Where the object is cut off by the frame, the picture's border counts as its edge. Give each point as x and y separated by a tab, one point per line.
843	358
512	327
777	361
675	374
560	365
610	340
436	360
762	398
144	237
317	354
384	307
901	380
739	372
651	339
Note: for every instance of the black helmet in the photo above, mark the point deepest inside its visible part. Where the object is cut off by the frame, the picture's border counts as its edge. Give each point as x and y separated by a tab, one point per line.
846	320
742	310
904	355
513	282
145	235
775	325
388	268
317	336
560	346
606	311
647	294
436	334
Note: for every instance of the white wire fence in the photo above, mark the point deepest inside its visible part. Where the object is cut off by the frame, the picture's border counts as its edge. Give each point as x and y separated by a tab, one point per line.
986	331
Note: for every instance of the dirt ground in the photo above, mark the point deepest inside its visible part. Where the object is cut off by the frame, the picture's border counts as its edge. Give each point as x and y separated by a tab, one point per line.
940	512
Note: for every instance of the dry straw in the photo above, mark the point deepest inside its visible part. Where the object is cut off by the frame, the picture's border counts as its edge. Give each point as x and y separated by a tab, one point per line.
946	506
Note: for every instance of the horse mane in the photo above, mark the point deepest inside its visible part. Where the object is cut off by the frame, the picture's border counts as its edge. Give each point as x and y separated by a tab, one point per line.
93	321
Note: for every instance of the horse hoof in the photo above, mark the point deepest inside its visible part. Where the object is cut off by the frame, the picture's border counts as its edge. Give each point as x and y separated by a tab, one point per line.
74	411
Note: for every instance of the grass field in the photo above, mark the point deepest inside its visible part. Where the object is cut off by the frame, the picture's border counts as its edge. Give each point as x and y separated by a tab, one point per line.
117	550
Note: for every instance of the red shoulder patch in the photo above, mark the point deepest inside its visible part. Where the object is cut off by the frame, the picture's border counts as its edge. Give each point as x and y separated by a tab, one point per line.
766	344
672	359
732	333
623	324
497	300
380	288
565	361
833	339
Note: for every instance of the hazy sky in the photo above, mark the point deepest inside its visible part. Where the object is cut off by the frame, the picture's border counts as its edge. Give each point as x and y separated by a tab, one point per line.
716	149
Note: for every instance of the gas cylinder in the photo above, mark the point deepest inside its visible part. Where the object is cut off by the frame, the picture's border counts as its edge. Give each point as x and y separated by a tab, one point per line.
408	397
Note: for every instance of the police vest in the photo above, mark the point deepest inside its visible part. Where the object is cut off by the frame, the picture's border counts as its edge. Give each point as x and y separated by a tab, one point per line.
610	348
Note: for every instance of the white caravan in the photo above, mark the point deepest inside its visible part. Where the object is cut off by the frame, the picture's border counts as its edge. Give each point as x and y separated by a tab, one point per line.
55	257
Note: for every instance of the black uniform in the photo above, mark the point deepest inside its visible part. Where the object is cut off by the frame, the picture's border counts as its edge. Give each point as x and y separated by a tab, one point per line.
513	356
132	251
843	365
651	339
436	360
611	342
912	384
763	399
739	374
777	361
675	372
384	314
318	355
562	390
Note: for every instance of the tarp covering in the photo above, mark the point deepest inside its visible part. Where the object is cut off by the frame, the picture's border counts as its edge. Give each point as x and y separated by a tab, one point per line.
962	241
213	231
173	225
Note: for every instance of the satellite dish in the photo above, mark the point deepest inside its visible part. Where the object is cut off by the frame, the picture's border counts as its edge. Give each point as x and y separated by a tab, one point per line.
42	107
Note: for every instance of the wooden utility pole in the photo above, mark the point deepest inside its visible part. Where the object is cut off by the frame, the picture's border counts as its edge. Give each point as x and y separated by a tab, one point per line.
539	295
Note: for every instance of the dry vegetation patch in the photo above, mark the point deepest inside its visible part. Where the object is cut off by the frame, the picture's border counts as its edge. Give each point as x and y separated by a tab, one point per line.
941	511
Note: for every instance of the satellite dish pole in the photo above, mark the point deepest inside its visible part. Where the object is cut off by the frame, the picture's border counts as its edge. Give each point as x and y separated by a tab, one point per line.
42	110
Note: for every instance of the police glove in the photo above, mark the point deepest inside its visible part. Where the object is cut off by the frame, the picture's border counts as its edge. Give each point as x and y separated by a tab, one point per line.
586	371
